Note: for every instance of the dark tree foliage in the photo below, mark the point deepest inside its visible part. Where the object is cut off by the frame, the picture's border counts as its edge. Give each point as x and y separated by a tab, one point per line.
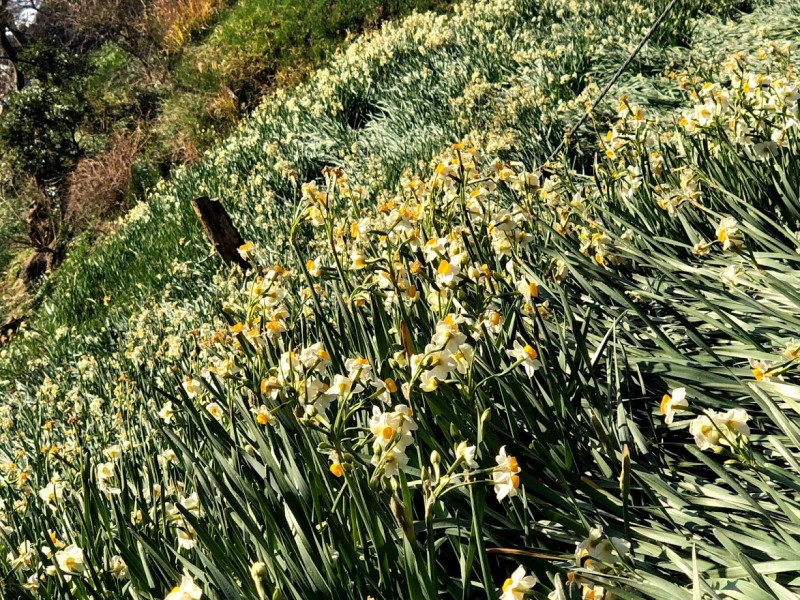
40	124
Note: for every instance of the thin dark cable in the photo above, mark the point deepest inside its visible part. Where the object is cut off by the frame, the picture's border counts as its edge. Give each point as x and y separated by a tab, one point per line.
614	79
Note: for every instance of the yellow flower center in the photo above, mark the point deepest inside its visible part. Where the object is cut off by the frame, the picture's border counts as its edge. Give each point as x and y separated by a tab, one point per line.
444	268
266	385
387	432
507	584
262	419
758	374
390	385
530	351
664	402
336	470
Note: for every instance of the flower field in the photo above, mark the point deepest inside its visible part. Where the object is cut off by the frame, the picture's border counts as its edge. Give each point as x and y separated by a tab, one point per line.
455	370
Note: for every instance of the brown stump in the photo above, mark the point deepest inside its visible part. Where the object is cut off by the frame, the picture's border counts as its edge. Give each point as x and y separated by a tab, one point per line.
220	230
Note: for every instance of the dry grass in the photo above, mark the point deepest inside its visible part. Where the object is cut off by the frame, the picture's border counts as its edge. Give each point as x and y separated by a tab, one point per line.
98	185
181	19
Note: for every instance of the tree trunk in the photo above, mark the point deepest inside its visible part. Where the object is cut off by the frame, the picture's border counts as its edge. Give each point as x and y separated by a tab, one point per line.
8	26
220	230
40	224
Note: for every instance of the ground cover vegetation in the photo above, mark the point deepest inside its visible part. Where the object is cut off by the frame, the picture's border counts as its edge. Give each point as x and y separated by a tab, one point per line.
453	370
112	95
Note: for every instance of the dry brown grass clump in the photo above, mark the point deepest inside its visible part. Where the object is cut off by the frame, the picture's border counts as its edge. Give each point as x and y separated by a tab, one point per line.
98	186
181	19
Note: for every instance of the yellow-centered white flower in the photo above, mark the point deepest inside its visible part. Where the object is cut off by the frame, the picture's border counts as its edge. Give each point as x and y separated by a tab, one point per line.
672	403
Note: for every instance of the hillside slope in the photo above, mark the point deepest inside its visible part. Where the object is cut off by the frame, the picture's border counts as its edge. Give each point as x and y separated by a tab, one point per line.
453	369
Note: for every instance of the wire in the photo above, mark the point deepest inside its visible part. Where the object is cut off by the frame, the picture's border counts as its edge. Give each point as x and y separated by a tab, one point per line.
568	136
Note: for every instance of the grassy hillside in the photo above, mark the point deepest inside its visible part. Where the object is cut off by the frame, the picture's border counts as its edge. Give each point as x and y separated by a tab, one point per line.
137	100
455	370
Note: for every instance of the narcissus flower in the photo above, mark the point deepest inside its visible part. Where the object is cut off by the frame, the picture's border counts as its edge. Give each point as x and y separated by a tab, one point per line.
528	289
599	551
23	558
437	364
792	350
763	371
358	368
336	468
713	429
270	387
449	271
215	410
393	462
527	357
342	387
732	275
392	427
246	250
518	585
385	388
314	267
186	590
53	492
70	560
735	421
263	415
117	567
505	475
192	386
706	435
728	233
315	357
467	454
187	537
105	478
357	261
672	403
167	412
